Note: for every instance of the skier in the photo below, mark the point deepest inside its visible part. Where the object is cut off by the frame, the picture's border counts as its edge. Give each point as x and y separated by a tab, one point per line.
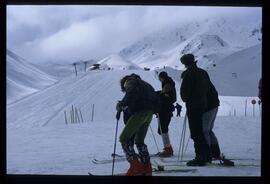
167	97
209	118
193	91
178	108
139	101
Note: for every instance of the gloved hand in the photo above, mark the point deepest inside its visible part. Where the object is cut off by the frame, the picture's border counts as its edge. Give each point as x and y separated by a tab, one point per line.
119	106
118	114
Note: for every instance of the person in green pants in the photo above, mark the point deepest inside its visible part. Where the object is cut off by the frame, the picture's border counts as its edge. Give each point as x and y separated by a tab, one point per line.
140	102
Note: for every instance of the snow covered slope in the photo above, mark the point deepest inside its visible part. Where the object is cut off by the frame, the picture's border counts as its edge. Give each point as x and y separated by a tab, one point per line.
96	87
23	78
40	142
238	74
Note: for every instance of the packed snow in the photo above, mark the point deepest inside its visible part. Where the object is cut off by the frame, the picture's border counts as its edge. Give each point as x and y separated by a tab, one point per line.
41	139
40	142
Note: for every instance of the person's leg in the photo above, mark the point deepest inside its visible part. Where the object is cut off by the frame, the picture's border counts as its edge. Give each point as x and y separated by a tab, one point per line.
207	121
130	130
146	168
213	139
126	117
165	121
202	150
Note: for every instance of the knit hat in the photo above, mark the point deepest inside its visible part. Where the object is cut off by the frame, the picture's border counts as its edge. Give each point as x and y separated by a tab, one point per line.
188	59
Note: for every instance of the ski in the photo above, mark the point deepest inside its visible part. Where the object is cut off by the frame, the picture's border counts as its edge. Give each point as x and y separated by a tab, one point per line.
219	163
236	159
123	156
107	161
118	158
214	164
156	171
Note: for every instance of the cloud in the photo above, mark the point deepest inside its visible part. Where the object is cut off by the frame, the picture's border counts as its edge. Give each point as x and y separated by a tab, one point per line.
71	33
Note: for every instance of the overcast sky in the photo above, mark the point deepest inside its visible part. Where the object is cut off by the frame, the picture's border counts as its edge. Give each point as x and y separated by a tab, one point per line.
71	33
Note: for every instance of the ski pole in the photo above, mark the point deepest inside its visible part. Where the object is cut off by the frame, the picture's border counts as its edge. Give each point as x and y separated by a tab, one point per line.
181	139
184	137
118	117
180	146
154	138
186	146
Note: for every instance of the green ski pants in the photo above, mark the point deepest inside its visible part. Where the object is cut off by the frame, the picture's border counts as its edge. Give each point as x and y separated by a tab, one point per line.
137	125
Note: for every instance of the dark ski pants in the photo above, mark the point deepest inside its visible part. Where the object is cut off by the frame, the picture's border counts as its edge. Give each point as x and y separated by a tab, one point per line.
164	121
195	120
136	127
208	125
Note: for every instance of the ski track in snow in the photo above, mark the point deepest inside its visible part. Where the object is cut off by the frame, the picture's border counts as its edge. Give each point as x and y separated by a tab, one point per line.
39	141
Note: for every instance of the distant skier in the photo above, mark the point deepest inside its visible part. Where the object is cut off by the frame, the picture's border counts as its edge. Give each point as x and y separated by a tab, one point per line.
194	88
178	108
260	90
167	98
140	101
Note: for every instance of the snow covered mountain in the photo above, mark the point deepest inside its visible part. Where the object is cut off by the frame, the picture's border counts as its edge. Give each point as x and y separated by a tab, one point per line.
24	78
210	40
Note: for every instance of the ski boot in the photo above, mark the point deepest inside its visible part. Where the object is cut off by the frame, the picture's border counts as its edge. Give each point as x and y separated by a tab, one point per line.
196	162
167	152
135	168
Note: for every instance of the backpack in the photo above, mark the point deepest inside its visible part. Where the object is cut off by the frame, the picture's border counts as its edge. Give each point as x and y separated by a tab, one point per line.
173	97
148	93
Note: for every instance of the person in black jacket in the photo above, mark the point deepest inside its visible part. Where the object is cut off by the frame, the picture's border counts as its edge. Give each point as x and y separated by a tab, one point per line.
139	101
208	120
167	98
193	91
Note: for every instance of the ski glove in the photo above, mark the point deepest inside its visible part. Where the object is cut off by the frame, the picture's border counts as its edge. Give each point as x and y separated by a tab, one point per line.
118	114
119	106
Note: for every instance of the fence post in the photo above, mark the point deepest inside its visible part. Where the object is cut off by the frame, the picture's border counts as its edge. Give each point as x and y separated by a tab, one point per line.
75	68
72	114
81	114
93	106
77	115
234	112
66	117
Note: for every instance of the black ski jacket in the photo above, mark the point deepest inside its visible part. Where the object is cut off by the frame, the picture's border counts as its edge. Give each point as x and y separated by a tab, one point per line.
167	95
194	87
139	95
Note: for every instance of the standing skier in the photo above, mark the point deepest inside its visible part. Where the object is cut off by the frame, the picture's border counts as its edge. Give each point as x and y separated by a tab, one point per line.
167	98
194	88
178	109
209	118
139	101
